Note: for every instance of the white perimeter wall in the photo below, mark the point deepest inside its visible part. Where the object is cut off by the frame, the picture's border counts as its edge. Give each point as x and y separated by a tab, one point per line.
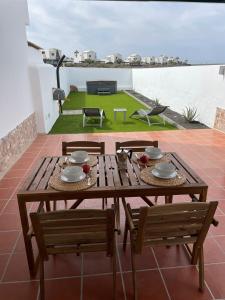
34	56
199	86
15	97
42	80
79	76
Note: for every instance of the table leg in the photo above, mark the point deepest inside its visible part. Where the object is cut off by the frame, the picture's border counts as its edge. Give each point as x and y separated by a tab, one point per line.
27	239
203	195
168	199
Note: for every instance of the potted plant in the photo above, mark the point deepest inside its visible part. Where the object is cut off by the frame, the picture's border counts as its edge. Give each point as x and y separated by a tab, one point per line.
190	114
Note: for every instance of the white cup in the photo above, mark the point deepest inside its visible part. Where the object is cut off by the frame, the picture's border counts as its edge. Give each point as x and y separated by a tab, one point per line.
153	152
79	156
165	169
73	172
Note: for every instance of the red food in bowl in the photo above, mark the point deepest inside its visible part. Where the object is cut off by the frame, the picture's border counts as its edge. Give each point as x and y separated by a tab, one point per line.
86	168
144	159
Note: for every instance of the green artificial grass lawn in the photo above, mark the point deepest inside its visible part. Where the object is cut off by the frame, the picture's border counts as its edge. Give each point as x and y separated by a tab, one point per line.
78	100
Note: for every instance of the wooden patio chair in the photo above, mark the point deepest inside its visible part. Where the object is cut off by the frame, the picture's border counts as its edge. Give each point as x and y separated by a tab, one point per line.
94	148
170	224
138	146
74	231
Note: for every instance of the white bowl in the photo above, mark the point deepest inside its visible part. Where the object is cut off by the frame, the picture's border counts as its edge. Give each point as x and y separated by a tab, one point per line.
153	152
165	169
79	156
73	173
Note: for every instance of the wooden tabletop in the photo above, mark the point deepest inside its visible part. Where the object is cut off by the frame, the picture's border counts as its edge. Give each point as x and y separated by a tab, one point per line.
111	182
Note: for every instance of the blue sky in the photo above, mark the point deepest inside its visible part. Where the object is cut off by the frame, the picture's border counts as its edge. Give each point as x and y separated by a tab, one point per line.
193	31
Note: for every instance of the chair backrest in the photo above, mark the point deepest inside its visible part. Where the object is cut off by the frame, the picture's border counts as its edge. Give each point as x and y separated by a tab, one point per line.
91	111
180	223
74	231
157	110
90	147
136	146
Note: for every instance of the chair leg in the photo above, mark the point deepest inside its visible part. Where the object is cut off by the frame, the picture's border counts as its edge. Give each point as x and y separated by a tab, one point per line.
125	236
104	203
194	258
201	269
134	279
117	207
42	283
48	206
114	271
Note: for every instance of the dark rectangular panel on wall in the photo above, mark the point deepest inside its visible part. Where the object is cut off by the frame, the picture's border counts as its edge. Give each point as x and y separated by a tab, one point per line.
94	87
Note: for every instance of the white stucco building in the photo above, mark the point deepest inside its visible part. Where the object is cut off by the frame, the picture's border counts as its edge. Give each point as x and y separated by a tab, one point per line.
148	59
89	55
52	54
113	58
162	59
133	58
84	56
174	60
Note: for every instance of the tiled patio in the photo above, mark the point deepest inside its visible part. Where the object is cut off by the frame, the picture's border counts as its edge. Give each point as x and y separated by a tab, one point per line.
164	273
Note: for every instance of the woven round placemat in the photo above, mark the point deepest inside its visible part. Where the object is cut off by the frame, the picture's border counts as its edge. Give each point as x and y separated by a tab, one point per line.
151	162
147	176
56	183
64	162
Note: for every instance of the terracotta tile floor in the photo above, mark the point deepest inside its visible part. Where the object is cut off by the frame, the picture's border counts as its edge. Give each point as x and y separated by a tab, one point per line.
163	273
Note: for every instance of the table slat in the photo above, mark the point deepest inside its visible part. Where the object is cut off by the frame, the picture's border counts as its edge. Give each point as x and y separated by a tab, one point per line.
180	167
116	175
188	170
109	173
43	184
32	175
137	172
101	166
40	174
131	174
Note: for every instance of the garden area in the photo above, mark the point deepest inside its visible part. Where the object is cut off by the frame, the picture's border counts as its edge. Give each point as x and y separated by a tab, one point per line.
73	123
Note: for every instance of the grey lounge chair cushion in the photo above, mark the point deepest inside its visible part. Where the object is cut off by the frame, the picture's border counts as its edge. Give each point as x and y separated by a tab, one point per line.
92	112
150	112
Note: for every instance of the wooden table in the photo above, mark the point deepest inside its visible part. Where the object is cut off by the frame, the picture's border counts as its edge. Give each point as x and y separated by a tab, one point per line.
111	183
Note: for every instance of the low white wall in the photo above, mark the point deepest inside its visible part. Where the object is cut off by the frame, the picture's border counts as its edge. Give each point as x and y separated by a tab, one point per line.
34	56
64	80
198	86
43	79
79	76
